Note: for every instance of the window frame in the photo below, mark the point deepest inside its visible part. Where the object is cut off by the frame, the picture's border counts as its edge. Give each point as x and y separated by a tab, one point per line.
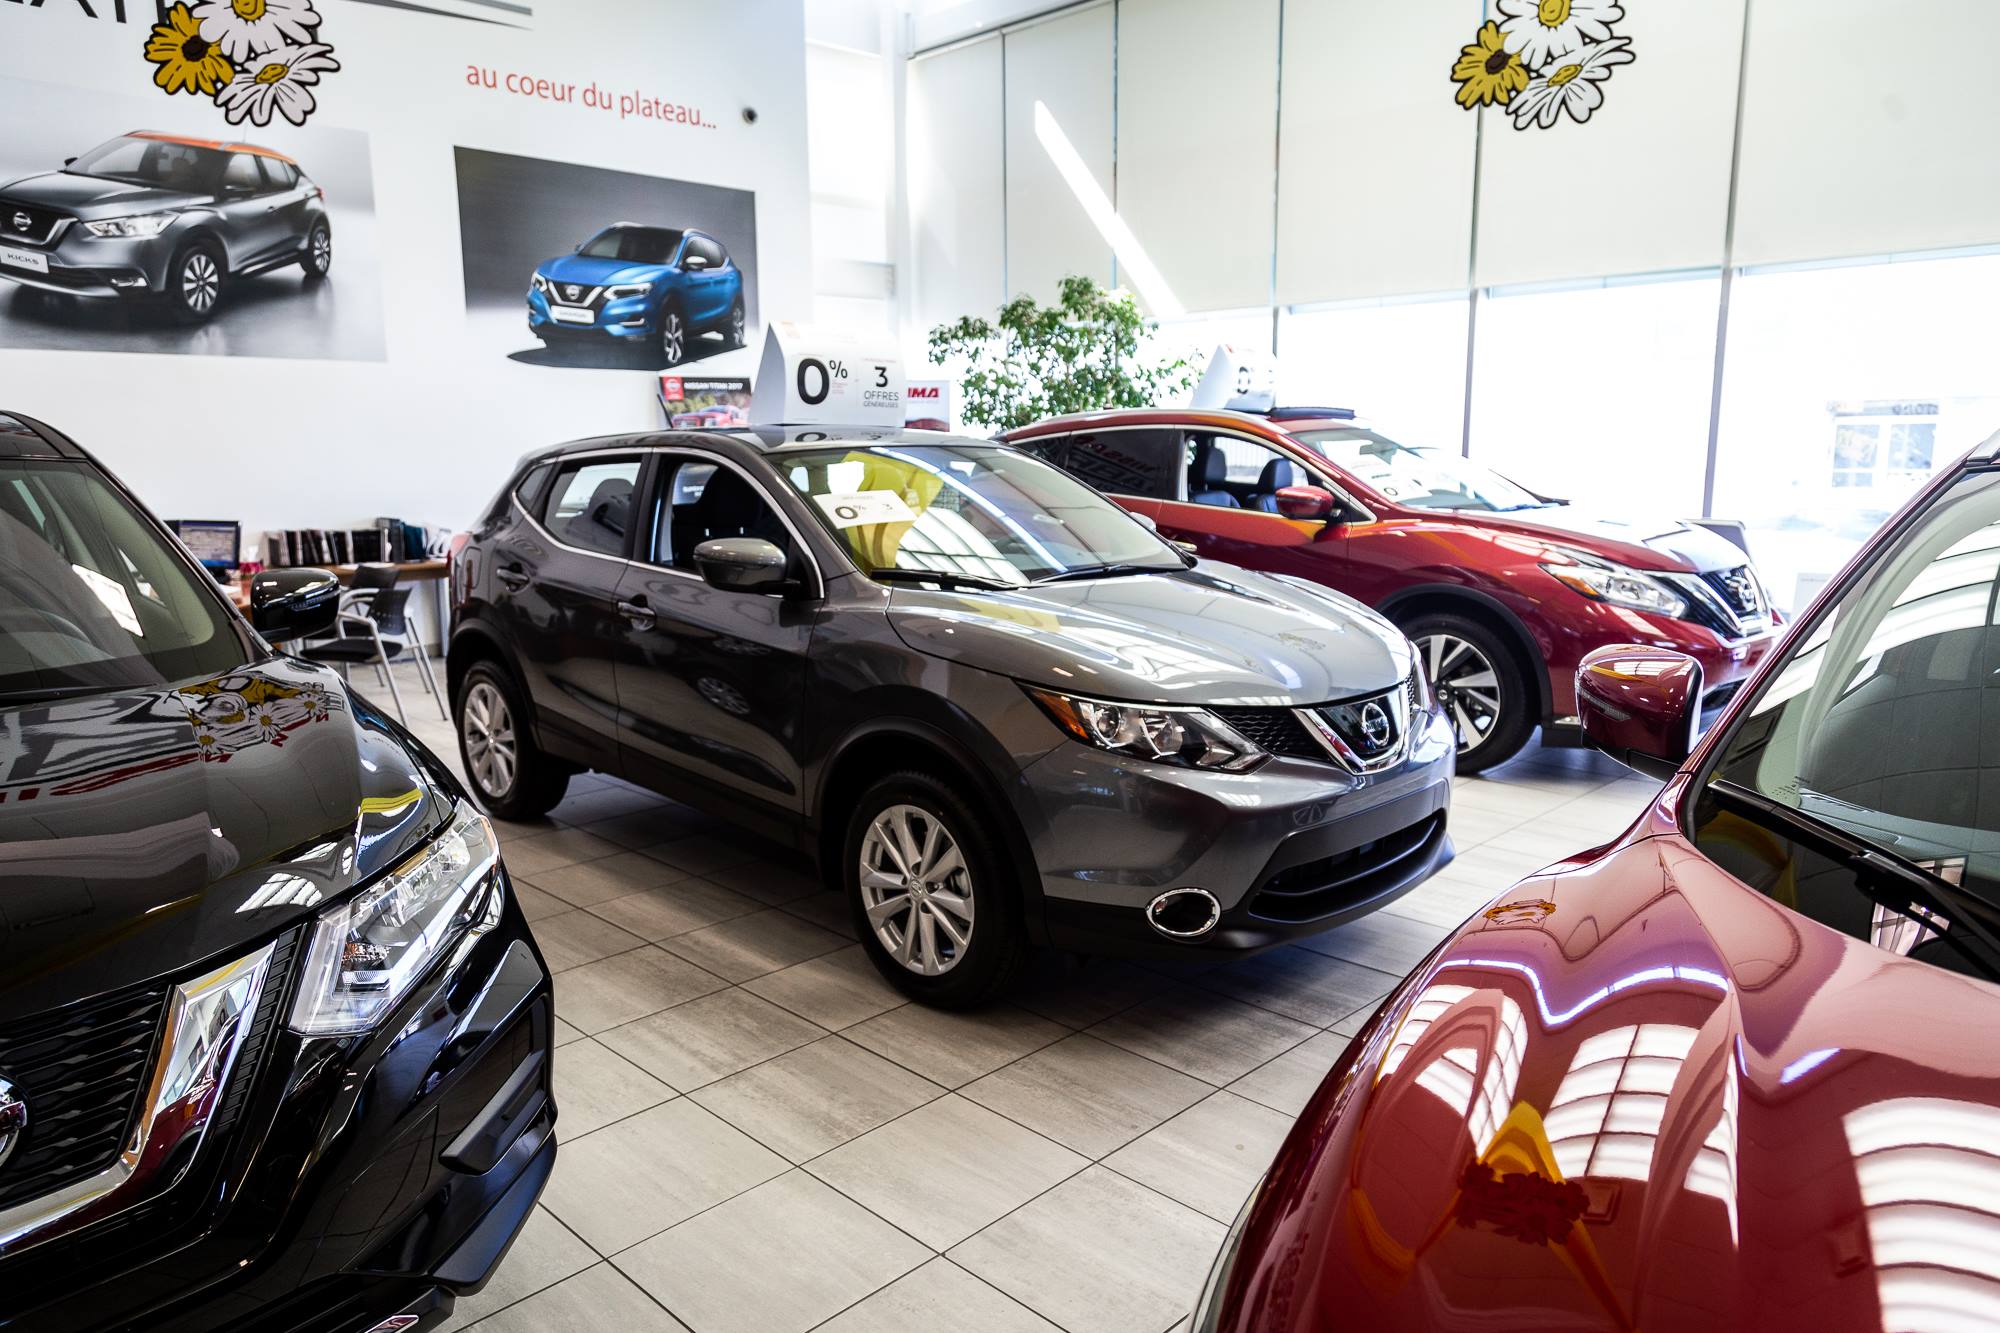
539	514
262	184
661	464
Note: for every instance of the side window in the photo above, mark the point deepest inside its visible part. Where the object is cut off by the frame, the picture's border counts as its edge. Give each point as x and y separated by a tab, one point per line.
590	503
241	175
1231	472
278	175
1049	448
699	501
1145	463
533	485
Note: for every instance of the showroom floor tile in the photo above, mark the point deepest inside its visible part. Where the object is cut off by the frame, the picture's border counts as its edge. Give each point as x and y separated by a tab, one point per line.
758	1133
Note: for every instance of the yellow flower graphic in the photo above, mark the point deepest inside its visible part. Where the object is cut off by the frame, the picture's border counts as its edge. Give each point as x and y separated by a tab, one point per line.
1488	72
188	62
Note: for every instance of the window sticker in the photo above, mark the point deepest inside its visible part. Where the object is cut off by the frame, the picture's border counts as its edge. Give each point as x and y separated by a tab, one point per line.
860	509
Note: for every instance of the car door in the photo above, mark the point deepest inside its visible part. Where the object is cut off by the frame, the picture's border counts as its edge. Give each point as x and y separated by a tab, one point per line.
289	198
1226	510
249	211
712	683
555	594
708	301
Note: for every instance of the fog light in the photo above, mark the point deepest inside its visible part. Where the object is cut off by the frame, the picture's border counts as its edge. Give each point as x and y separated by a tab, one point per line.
1184	914
128	282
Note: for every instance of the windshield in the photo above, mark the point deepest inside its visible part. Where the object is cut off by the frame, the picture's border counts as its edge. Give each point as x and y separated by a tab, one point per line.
1419	478
91	598
1883	726
988	513
170	166
634	245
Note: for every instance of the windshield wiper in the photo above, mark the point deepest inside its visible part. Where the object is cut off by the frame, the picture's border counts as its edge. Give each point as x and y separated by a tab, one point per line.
1945	906
1106	572
945	577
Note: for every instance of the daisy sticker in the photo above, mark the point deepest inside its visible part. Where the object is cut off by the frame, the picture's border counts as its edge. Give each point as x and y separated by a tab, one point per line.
281	81
246	28
253	57
1543	60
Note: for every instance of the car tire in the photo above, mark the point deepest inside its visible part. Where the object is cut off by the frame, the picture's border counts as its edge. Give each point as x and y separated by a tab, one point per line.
1485	692
973	943
318	258
509	776
194	282
736	330
673	335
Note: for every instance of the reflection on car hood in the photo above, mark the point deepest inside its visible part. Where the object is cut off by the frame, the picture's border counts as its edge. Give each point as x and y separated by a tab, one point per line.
1213	635
93	197
1638	1095
1663	544
143	832
587	271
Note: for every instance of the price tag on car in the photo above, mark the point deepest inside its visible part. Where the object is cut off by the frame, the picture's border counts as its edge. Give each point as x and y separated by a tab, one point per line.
26	259
812	376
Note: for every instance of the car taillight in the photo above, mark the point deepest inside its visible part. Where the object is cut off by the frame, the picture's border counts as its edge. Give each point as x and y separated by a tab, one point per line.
458	568
319	193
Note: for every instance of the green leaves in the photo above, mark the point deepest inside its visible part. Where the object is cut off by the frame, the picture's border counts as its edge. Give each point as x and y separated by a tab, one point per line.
1085	353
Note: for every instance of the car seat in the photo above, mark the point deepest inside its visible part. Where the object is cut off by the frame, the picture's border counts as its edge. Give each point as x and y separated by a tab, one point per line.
1214	476
609	513
1277	474
728	506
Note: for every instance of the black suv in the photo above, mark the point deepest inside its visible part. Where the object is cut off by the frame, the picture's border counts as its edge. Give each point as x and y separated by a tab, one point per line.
275	1040
160	217
999	709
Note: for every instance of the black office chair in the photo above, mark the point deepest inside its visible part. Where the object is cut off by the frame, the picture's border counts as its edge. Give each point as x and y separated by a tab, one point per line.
1210	488
1277	474
375	627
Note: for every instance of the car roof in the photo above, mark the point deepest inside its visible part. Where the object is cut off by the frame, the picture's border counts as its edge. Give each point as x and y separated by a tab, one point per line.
220	145
761	440
1214	417
24	437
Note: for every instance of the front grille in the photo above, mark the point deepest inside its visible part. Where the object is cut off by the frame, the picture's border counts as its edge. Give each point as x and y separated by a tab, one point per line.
1737	588
1279	730
81	1074
586	298
41	224
1274	731
1320	888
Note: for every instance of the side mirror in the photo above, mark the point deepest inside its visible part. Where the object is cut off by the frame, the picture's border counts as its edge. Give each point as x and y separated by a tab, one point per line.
694	263
293	603
69	161
1306	502
1146	521
1641	706
742	564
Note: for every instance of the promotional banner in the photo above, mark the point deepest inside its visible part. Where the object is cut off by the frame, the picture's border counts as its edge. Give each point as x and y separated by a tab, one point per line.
928	405
816	376
704	404
1238	379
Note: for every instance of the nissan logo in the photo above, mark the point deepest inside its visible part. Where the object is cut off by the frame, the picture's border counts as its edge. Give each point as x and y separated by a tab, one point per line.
22	222
1376	726
572	292
13	1120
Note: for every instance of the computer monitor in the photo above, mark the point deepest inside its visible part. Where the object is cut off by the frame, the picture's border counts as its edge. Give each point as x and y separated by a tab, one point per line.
215	543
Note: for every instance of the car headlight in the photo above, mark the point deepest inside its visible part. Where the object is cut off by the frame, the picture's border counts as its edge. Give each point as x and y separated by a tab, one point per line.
624	290
1619	586
144	224
367	952
1189	737
1208	1310
539	283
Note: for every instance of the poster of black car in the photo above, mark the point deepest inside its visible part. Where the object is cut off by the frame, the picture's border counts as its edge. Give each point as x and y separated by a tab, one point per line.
579	266
124	228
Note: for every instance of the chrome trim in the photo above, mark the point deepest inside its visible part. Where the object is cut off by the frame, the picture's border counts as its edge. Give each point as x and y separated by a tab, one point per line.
1314	464
1321	730
1214	913
1696	586
190	1073
47	240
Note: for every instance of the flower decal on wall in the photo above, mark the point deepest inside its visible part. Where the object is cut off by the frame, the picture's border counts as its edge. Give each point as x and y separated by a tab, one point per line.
253	57
1543	59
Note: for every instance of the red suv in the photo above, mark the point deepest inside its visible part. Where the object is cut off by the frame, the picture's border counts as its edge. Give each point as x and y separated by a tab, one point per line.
1504	591
1734	1069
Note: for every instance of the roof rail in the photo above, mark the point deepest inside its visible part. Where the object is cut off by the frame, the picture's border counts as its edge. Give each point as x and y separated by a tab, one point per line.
1310	414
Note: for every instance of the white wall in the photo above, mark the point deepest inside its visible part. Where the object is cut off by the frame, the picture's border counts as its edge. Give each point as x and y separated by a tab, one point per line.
1063	63
957	185
429	432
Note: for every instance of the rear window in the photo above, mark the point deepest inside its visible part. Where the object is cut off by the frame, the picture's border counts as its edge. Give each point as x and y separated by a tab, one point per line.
590	503
91	597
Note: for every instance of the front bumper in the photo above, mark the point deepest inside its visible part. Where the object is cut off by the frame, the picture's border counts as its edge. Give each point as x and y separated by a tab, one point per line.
104	268
1292	849
367	1176
627	317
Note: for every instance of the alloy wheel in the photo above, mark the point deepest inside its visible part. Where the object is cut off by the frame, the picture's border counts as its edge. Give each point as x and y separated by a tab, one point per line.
1466	685
916	890
491	748
322	251
673	337
201	282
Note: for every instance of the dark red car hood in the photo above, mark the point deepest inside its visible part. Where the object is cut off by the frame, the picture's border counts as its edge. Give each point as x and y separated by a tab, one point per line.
1635	1094
1662	544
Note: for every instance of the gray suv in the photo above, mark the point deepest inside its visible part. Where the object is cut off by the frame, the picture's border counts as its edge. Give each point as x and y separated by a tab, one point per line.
160	217
1000	710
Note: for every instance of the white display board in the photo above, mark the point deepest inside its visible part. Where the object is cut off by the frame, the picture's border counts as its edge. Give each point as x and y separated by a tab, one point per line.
817	376
1239	379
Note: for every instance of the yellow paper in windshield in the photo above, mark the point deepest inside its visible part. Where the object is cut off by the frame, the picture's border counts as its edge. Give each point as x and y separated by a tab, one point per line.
875	544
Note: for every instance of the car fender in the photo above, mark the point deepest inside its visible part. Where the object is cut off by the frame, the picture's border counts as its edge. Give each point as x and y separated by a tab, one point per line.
1517	630
472	638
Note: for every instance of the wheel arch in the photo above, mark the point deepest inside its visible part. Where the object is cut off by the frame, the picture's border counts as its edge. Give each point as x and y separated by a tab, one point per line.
472	643
1408	603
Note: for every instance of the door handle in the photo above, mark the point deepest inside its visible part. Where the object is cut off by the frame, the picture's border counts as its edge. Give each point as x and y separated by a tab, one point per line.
513	576
638	613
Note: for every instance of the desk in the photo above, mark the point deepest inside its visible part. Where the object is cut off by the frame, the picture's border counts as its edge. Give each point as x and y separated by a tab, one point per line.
413	571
